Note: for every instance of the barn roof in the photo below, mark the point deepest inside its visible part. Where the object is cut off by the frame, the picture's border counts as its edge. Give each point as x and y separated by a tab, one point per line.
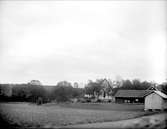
161	94
132	93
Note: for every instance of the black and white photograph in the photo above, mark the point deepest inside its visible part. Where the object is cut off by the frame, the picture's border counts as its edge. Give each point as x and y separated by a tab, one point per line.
71	64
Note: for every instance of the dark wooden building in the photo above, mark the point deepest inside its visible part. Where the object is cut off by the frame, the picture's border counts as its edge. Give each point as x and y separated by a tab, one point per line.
131	96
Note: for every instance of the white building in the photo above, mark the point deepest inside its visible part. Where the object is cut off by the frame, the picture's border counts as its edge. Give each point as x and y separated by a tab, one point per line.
155	100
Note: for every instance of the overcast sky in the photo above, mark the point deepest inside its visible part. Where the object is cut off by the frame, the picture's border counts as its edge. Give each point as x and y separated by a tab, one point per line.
76	41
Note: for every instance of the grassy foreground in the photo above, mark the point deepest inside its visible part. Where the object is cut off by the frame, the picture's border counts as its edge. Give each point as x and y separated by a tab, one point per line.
155	121
58	115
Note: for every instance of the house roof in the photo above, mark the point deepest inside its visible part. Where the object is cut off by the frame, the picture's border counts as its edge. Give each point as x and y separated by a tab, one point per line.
132	93
160	94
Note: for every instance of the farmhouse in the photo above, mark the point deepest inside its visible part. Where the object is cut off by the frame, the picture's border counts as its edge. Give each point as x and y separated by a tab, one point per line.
155	100
131	96
106	90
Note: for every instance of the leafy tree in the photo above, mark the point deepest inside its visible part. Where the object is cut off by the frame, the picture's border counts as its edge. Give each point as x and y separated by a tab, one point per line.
35	82
127	85
136	84
93	88
76	85
77	92
89	90
163	87
20	93
35	92
64	83
63	91
145	85
5	90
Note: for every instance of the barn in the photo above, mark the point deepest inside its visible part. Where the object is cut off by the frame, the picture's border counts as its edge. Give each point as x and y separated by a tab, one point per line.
131	96
155	100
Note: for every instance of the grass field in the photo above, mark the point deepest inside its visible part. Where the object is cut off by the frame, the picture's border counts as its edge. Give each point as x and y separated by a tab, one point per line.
49	115
106	106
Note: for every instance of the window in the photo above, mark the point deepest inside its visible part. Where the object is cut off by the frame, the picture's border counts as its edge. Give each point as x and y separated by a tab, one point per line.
136	100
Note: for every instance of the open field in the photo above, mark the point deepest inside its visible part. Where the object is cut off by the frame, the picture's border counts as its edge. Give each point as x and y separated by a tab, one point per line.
106	106
57	115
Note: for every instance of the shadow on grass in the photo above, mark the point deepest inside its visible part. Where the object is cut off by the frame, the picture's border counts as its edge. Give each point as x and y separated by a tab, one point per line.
6	124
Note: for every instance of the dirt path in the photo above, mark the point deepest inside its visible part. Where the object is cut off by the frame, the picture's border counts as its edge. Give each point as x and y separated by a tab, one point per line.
156	121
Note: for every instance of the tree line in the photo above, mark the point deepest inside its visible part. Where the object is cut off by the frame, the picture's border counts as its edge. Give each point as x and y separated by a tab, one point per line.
35	92
39	94
107	87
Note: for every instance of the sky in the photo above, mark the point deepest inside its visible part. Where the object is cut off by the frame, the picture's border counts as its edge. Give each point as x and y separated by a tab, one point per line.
52	41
